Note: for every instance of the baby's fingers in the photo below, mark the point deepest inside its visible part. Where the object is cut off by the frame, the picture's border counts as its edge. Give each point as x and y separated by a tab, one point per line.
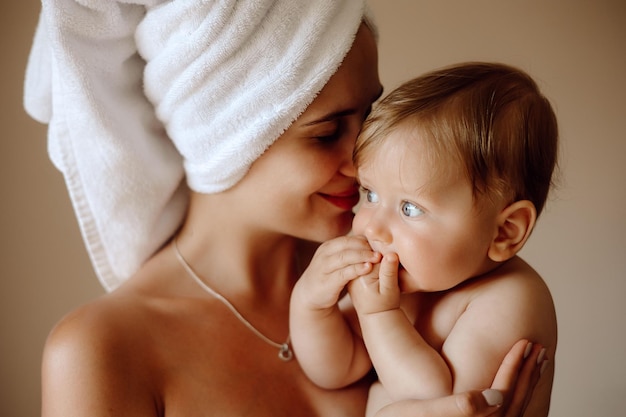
352	261
388	274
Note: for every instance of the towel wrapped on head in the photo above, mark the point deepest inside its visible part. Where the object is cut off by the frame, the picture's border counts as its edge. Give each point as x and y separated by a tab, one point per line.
139	95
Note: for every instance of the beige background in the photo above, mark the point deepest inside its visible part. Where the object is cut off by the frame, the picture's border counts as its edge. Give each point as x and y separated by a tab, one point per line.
576	50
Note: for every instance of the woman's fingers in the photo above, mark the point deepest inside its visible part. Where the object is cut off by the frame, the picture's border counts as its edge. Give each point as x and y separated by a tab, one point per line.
518	375
466	404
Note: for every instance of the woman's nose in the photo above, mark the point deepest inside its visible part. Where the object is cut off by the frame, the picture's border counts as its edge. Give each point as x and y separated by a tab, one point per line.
347	167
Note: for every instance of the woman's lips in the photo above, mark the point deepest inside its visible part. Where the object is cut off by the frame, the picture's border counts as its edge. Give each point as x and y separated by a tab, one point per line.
344	200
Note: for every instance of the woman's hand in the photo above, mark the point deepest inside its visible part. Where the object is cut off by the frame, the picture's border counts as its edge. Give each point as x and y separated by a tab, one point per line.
517	377
508	396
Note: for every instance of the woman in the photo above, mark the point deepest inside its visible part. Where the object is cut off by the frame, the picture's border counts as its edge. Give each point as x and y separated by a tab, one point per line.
201	326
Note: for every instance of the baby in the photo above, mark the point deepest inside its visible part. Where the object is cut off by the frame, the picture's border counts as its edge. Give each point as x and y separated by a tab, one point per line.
455	167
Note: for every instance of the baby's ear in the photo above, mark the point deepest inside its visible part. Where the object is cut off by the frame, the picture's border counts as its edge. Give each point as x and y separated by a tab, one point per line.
515	223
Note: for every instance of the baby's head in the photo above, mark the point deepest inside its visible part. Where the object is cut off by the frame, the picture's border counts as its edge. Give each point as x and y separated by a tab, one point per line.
486	121
456	166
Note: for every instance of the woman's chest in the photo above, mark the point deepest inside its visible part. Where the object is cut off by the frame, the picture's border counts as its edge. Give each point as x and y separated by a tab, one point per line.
226	370
225	389
262	398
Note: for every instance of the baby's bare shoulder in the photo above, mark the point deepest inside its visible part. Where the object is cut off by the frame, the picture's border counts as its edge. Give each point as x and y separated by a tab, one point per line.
516	298
515	281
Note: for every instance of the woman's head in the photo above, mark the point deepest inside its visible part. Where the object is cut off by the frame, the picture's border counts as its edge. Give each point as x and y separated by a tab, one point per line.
227	78
223	79
490	121
304	184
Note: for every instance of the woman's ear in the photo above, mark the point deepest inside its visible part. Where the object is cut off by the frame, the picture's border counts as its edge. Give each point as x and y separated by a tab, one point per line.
515	223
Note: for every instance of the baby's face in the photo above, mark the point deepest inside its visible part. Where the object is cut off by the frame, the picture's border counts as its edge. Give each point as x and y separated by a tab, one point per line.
425	215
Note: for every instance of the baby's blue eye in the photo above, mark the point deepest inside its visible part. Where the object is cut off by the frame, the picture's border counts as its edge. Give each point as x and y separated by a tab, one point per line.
411	210
371	196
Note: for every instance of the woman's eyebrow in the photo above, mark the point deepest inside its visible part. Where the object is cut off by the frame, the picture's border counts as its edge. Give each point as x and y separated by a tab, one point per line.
341	113
331	116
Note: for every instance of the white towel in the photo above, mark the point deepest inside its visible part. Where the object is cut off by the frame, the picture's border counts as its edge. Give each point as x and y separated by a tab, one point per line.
127	87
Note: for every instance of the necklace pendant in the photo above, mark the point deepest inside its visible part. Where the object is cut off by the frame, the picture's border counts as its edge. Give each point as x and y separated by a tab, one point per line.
285	353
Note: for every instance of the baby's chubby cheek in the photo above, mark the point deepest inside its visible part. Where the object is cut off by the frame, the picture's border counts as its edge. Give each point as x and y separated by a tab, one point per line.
406	282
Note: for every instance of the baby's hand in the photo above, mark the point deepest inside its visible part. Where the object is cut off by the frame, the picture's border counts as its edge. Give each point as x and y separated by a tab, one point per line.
377	291
335	263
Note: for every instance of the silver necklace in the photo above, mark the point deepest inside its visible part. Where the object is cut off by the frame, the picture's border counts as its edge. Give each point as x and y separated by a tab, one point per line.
284	350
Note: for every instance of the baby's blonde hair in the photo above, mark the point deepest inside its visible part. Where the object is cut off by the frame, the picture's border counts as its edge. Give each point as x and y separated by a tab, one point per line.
490	118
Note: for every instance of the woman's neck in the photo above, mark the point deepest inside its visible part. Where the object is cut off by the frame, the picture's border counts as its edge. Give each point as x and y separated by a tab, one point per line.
235	257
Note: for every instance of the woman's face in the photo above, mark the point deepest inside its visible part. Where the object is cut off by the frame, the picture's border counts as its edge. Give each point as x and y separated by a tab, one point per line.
304	185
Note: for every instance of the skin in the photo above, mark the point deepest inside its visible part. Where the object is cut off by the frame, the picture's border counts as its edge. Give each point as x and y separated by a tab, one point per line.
461	286
441	237
441	321
161	346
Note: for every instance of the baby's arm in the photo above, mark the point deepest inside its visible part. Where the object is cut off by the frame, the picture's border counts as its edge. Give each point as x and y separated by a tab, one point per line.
406	365
323	339
516	378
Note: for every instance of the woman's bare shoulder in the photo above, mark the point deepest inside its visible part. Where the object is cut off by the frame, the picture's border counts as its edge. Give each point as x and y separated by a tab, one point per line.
98	359
107	320
98	328
118	324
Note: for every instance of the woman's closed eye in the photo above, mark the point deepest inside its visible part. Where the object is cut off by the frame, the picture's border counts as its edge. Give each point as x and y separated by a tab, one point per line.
327	132
332	137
